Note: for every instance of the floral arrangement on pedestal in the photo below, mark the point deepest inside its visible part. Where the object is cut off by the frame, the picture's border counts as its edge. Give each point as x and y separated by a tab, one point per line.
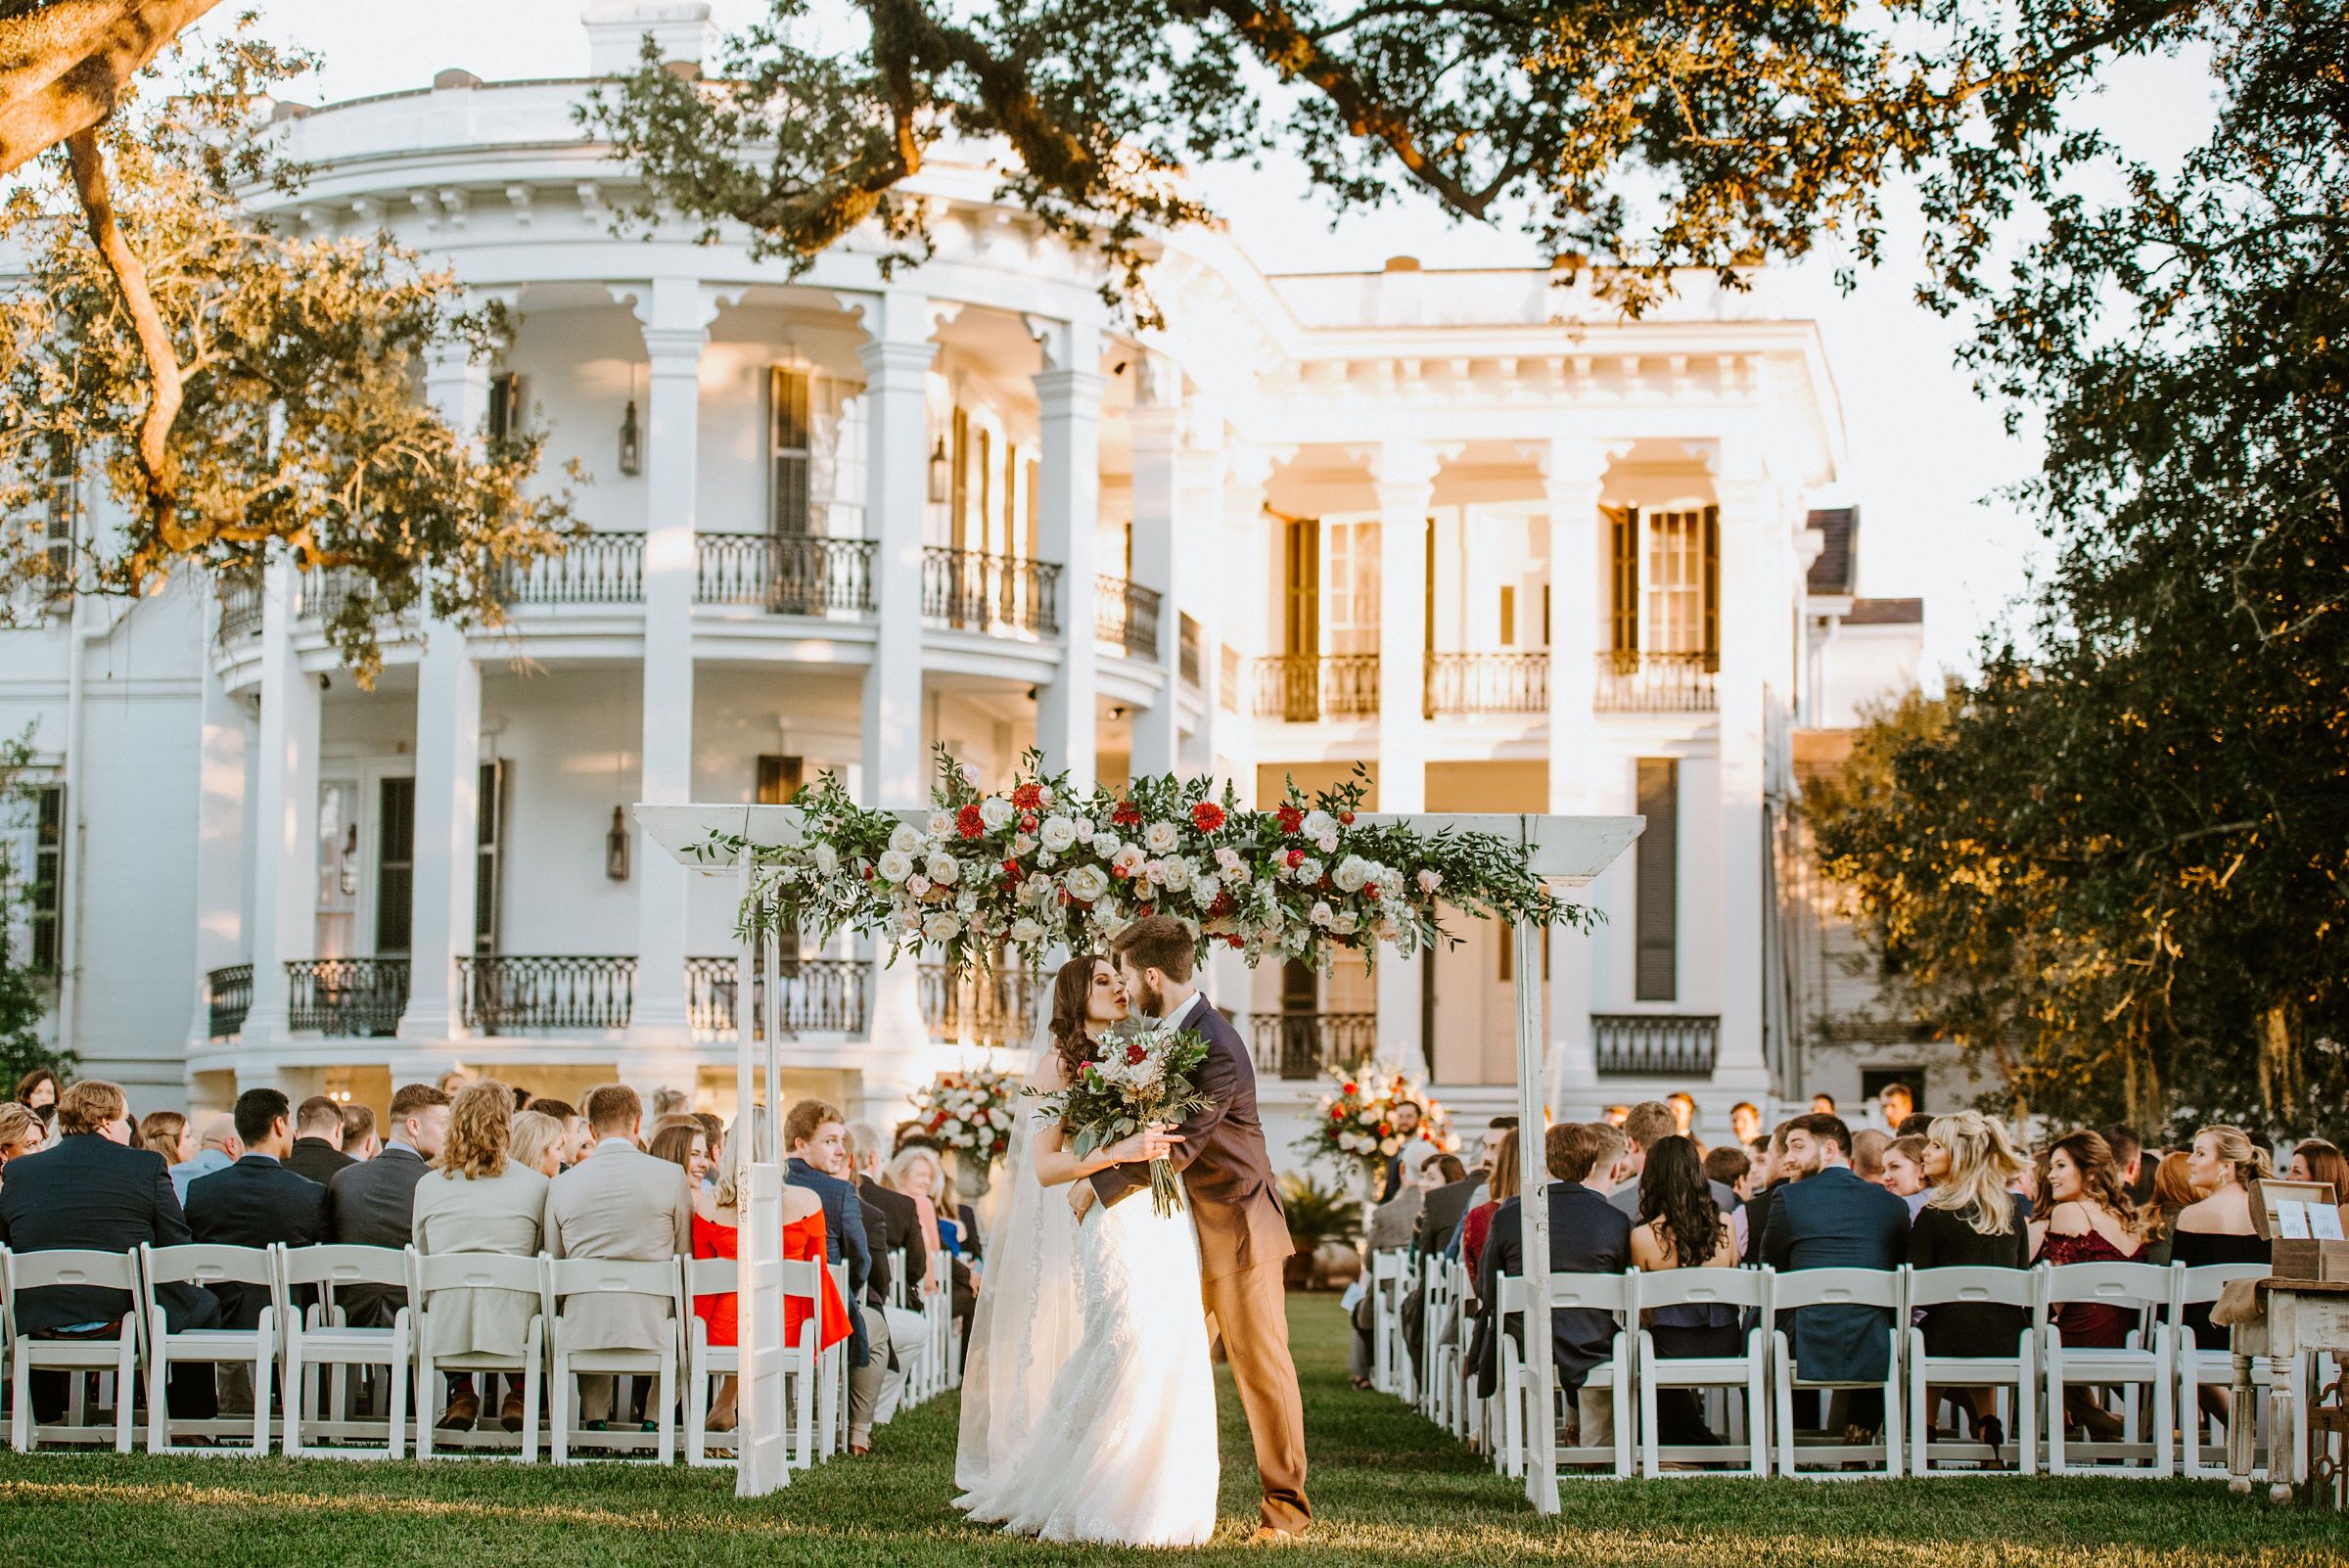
1042	866
972	1113
1356	1128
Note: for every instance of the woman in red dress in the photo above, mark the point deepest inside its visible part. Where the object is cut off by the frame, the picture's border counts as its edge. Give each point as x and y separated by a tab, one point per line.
716	1233
2087	1219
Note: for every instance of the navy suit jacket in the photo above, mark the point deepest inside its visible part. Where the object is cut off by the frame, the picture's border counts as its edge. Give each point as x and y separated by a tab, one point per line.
1835	1220
1588	1235
92	1192
254	1203
844	1240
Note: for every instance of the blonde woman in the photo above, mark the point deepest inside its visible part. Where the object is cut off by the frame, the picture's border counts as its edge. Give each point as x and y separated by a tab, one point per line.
479	1198
537	1142
21	1133
1971	1220
2216	1227
918	1175
168	1134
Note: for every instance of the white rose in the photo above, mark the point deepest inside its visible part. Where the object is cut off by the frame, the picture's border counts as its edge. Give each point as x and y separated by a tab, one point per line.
894	866
1084	827
1430	881
941	927
826	859
1347	923
1350	874
1327	843
995	811
1022	845
1105	845
1056	834
1160	837
943	868
1026	931
1320	825
904	839
1237	874
1322	914
941	824
1046	796
1227	857
917	884
1087	884
1391	1147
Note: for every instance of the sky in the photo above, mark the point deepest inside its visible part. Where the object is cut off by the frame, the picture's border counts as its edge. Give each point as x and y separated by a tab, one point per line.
1926	457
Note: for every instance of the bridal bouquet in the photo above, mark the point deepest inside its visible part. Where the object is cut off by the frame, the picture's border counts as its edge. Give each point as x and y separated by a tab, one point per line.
1144	1077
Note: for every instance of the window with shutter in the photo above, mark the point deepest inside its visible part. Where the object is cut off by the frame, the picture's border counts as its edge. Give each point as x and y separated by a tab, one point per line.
505	406
47	892
489	857
1508	615
779	779
958	516
1623	538
61	508
1712	588
790	449
1656	919
1300	618
395	865
1676	599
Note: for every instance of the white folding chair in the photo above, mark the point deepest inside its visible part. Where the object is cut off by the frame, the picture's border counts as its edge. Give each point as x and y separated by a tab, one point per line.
832	1385
432	1273
1616	1294
2200	1366
1790	1293
1439	1340
2142	1362
899	1286
320	1337
200	1264
705	1362
117	1352
1389	1270
938	1307
568	1279
1747	1290
2017	1288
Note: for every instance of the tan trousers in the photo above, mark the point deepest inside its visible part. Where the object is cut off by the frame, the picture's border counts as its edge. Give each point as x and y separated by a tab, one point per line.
1248	1309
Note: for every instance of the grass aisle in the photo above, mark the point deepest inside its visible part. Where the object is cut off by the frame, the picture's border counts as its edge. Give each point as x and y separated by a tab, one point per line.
1389	1487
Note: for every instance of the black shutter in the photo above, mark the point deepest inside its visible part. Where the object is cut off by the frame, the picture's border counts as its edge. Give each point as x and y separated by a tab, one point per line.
1624	541
779	779
1656	919
488	856
1712	582
48	889
396	866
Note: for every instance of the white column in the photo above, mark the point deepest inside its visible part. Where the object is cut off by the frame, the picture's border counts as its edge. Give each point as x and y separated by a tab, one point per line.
1572	475
1068	393
448	764
1249	617
1210	586
897	370
222	767
1156	429
1748	601
676	322
1404	476
284	892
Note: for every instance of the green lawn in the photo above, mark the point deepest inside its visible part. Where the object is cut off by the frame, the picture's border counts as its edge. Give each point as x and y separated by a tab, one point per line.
1389	1489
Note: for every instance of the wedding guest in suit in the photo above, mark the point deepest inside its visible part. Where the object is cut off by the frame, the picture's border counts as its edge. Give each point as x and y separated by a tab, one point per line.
2129	1158
892	1223
618	1203
168	1133
373	1204
256	1202
93	1191
1643	1127
478	1197
1588	1235
1405	1118
1971	1220
358	1132
1895	1103
1868	1155
20	1135
1441	1213
1827	1218
815	1133
318	1140
1745	1122
217	1147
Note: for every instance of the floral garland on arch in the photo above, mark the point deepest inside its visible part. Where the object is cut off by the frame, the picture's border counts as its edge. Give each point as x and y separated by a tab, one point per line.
1043	867
1356	1125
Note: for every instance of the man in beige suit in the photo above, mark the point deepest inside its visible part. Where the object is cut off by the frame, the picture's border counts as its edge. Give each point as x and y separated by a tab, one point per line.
621	1203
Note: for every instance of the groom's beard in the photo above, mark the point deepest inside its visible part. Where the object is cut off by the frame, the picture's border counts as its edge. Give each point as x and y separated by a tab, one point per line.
1151	999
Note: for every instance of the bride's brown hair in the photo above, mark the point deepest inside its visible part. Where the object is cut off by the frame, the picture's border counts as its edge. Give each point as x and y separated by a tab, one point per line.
1071	988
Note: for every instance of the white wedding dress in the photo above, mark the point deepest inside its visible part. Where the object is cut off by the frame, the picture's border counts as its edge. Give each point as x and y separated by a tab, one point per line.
1121	1446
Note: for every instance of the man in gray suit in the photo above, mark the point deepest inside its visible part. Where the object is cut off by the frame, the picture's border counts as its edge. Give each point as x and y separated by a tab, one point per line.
373	1204
621	1203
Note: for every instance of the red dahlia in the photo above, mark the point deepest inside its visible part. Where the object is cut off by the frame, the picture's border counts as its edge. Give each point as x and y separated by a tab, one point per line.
969	822
1029	797
1126	815
1011	870
1291	818
1028	824
1135	1056
1207	816
1296	857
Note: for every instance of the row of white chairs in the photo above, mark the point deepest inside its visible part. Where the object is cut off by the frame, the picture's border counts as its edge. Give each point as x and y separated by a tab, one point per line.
2160	1370
290	1347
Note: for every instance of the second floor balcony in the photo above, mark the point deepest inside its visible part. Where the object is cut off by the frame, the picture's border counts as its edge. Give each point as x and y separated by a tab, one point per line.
785	573
1678	1045
1637	681
1298	1045
1507	682
1306	688
1125	617
970	590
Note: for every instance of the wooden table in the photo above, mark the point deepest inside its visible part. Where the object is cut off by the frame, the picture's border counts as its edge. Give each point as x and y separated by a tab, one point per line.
2299	1315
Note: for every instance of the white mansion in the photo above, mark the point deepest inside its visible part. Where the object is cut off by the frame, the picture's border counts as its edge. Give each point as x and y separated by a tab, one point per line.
1467	531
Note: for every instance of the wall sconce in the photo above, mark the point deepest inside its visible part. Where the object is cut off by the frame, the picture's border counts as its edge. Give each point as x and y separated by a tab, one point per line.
632	442
940	489
616	847
347	870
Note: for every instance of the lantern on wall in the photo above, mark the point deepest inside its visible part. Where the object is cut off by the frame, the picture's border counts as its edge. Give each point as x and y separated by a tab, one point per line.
616	847
631	441
941	473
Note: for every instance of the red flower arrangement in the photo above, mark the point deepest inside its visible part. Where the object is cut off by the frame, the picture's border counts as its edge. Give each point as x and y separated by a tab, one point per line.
1207	816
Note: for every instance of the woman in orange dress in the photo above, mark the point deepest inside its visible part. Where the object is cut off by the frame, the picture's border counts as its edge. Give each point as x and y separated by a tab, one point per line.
716	1233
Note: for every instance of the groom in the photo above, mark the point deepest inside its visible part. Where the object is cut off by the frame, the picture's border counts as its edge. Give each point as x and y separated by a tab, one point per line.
1243	1237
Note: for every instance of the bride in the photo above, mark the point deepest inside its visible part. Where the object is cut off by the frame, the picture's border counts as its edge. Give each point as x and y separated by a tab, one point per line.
1088	1409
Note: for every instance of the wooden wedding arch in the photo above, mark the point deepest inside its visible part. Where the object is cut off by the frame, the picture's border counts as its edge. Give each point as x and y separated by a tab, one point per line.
1570	850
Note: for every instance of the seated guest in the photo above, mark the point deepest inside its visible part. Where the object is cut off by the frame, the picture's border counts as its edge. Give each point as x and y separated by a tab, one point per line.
37	1092
20	1135
1502	1185
168	1133
1729	1166
1588	1235
2173	1194
1868	1155
216	1149
1405	1118
1390	1222
669	1102
535	1139
892	1223
681	1141
1896	1103
1745	1122
918	1175
2129	1158
1826	1217
358	1132
1971	1220
1822	1105
318	1140
2216	1227
1433	1235
2316	1160
480	1198
2088	1218
713	1129
373	1203
1905	1172
815	1136
1680	1225
618	1203
576	1138
1776	1173
256	1202
94	1191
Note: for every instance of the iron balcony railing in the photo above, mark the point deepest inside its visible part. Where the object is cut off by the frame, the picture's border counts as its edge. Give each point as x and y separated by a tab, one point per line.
1638	683
1126	617
356	996
592	568
321	594
820	996
1302	688
512	994
972	591
228	996
240	604
995	1007
785	573
1305	1045
1486	683
1655	1045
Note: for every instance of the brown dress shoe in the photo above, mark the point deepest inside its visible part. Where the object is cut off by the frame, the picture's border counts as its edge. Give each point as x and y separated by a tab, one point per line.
509	1414
1266	1535
463	1410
